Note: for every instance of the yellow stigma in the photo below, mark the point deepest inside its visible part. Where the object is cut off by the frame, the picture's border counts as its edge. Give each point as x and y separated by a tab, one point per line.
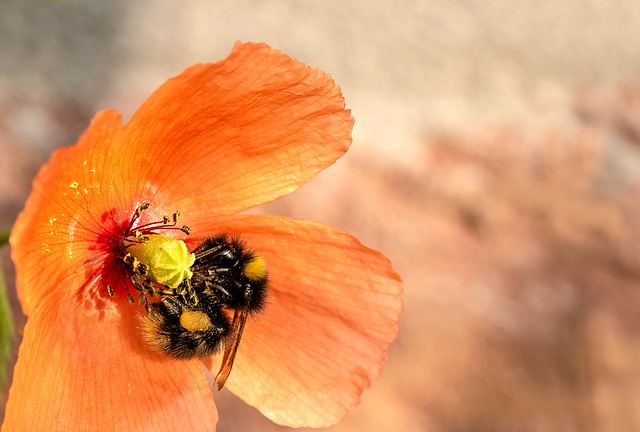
194	321
256	268
168	260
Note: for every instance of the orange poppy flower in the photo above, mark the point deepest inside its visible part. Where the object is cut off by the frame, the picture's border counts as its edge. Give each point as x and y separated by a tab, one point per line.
215	140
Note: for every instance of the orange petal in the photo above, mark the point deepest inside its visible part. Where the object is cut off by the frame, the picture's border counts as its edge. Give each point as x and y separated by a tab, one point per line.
228	136
84	371
332	312
53	236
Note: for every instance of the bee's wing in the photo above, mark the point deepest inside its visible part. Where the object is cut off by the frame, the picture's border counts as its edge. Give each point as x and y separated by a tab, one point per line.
230	349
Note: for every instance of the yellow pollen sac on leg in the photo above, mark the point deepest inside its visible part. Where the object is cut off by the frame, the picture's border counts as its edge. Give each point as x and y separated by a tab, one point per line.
168	260
194	321
256	268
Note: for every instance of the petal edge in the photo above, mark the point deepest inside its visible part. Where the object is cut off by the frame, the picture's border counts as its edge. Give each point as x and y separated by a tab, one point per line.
333	310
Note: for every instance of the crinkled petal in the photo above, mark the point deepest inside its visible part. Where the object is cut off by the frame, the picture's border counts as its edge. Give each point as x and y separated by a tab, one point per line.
79	369
333	309
228	136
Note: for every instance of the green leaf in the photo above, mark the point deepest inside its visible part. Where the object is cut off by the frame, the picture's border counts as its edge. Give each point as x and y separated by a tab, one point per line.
4	237
7	332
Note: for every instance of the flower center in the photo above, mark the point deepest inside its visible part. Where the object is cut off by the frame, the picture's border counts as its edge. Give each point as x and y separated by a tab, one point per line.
154	263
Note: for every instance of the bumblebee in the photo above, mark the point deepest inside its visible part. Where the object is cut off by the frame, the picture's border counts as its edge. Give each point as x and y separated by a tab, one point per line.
208	314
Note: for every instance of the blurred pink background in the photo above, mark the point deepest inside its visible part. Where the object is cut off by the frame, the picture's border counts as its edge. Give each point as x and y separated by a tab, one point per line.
495	160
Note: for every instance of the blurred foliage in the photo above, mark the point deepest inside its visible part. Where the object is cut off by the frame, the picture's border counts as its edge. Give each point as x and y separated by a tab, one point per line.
7	330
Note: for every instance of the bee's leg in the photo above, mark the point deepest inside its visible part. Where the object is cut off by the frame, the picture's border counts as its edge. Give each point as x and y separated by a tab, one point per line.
174	307
220	292
190	293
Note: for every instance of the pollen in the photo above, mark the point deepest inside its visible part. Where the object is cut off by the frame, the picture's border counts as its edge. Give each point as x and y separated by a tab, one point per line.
167	259
194	321
256	268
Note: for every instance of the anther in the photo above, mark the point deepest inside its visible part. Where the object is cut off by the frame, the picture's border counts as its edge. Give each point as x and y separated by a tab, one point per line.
142	268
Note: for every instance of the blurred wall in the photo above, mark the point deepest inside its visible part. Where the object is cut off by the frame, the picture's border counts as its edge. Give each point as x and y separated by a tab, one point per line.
495	161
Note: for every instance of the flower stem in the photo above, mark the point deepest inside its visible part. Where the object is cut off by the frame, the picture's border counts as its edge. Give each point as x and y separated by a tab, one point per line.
4	237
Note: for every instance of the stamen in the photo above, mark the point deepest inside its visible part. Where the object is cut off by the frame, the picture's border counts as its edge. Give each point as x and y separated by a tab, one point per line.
136	215
167	223
154	264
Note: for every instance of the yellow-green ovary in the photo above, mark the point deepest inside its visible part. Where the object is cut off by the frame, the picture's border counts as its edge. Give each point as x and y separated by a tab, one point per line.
168	260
